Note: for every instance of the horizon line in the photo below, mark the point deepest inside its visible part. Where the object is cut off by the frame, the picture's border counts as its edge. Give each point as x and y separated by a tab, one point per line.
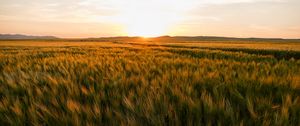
124	36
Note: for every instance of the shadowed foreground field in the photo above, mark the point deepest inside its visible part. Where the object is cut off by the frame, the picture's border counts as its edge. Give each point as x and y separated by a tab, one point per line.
120	83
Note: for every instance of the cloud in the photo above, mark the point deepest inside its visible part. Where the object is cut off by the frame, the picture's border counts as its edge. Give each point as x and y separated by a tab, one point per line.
238	1
49	10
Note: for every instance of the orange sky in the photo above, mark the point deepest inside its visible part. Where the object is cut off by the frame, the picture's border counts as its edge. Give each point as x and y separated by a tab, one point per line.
96	18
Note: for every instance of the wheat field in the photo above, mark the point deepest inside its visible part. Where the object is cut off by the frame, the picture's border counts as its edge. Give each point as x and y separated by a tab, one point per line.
149	83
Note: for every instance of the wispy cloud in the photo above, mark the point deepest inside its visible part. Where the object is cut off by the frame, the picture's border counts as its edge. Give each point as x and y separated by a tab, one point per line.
64	10
239	1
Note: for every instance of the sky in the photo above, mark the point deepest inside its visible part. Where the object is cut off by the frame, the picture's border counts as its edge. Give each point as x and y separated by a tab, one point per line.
149	18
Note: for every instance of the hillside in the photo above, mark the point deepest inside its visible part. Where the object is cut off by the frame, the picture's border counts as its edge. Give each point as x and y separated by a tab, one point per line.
19	36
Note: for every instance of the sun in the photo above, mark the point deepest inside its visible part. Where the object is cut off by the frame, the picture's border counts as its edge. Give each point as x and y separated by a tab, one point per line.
146	23
149	18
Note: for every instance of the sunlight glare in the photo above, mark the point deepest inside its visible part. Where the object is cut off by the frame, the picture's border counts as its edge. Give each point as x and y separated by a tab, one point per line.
151	18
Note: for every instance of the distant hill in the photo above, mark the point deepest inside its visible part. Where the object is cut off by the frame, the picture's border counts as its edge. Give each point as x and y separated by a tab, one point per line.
188	39
19	36
217	38
142	39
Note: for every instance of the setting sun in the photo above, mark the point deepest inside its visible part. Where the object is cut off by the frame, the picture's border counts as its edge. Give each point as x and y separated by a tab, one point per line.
146	27
144	24
151	18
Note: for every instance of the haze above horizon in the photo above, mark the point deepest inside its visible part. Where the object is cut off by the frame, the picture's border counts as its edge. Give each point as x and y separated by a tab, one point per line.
103	18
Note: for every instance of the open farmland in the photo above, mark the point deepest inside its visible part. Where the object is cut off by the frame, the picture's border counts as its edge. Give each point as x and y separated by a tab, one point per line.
149	83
